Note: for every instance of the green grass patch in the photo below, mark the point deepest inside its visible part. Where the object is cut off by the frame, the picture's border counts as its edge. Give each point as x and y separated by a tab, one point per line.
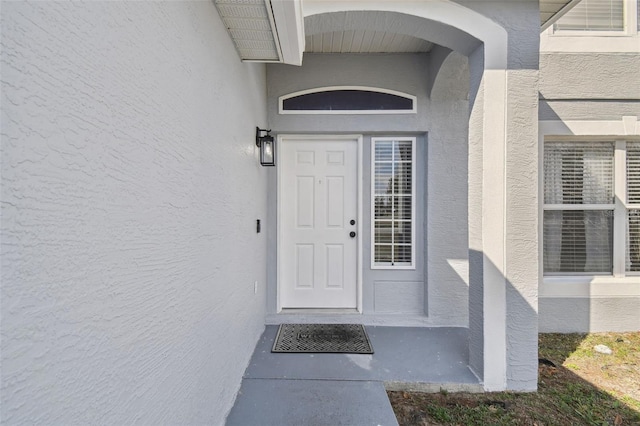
584	388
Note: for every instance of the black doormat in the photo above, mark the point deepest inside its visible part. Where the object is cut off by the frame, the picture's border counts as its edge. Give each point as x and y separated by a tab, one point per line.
322	338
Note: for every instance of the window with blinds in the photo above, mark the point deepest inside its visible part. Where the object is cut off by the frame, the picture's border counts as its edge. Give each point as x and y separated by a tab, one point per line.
393	202
633	204
580	235
593	15
579	204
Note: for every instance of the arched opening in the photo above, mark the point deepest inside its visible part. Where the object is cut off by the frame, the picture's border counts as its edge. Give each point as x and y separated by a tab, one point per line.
476	124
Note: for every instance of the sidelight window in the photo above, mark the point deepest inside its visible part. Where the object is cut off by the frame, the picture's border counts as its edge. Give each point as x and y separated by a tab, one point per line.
393	203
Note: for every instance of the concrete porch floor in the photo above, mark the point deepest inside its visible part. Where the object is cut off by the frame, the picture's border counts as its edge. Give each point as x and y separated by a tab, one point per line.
349	389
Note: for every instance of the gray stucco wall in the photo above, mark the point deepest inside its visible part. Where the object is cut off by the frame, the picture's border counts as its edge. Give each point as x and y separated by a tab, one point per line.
130	191
583	315
576	76
439	285
608	87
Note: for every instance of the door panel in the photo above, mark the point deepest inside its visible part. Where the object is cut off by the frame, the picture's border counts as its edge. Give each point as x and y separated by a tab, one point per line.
318	200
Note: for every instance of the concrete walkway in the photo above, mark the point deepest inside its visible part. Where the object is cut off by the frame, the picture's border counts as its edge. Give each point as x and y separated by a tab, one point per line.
348	389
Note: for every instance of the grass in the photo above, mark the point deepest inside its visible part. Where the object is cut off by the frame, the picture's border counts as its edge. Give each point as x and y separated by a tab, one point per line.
584	388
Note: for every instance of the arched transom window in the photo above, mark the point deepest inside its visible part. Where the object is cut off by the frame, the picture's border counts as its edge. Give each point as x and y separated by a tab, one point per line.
347	100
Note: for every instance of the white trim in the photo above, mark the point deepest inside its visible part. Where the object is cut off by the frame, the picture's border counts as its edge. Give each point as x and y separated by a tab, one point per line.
494	191
620	213
274	30
605	130
282	111
620	43
607	285
412	266
579	206
589	286
359	268
360	231
289	29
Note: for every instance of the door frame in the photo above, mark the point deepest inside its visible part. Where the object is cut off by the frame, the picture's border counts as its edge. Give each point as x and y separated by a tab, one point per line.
285	138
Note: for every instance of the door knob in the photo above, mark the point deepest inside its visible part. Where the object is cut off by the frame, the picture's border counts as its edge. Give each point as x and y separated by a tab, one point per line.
353	222
352	234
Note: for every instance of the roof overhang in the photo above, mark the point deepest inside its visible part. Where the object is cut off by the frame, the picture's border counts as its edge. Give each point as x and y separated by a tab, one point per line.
552	10
273	30
265	30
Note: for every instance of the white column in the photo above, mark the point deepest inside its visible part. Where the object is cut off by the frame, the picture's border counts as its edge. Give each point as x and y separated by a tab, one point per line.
493	229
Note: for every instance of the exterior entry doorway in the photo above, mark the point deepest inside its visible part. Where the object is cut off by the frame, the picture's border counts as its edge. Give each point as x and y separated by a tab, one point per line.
318	221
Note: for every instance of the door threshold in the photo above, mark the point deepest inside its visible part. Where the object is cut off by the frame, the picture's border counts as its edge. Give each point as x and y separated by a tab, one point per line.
314	311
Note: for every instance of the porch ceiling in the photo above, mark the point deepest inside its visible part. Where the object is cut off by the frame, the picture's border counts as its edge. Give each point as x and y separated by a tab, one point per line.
365	42
273	31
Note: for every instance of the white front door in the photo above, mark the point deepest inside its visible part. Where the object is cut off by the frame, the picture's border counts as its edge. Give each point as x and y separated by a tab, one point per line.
318	193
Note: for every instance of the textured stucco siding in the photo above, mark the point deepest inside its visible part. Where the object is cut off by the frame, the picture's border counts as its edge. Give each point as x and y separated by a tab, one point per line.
584	315
522	231
521	248
589	76
447	216
130	190
592	110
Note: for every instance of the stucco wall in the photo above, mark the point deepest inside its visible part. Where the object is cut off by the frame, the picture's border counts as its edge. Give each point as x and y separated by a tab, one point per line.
440	281
612	76
130	191
582	315
607	89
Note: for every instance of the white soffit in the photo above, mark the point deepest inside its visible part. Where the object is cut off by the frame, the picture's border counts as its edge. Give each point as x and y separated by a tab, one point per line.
265	30
367	41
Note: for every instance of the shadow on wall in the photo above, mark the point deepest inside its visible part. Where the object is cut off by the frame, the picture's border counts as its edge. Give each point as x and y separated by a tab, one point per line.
489	329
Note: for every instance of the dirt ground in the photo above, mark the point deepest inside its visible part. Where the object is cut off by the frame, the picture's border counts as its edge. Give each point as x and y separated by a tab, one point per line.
576	385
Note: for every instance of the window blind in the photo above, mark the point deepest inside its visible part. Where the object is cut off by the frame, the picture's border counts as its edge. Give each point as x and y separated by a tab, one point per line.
633	172
393	202
594	15
633	197
633	241
577	239
578	173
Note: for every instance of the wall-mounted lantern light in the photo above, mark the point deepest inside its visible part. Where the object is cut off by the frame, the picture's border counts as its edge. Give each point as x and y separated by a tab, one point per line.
267	147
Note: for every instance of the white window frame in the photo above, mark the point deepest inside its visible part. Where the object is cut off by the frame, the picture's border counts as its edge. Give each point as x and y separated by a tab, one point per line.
614	207
627	40
587	286
282	111
405	266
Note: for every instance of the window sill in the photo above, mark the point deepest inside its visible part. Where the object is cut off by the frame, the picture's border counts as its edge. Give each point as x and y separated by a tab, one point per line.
394	267
590	286
585	43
